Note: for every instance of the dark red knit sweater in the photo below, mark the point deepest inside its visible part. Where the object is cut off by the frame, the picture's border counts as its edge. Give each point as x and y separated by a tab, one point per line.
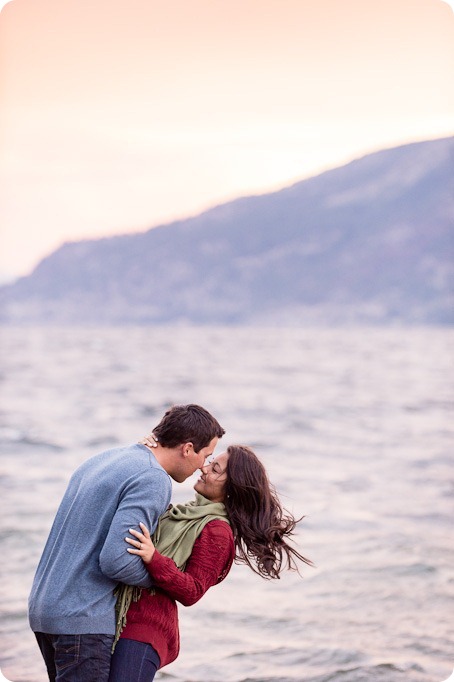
154	618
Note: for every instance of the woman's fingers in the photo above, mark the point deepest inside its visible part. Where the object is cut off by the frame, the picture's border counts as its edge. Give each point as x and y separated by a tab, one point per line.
143	548
137	547
135	543
145	530
150	441
137	534
142	544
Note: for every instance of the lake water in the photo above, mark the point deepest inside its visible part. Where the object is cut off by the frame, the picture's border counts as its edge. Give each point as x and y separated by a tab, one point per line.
356	430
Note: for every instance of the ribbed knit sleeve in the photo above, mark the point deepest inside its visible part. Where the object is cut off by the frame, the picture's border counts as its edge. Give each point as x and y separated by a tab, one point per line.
154	618
209	563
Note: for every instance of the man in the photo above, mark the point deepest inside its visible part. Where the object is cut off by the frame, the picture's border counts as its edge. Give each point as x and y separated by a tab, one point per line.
71	605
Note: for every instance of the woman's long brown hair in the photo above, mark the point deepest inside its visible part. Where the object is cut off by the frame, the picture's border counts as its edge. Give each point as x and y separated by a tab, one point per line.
260	525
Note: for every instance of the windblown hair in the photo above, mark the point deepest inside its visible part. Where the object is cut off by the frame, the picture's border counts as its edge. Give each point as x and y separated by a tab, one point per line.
187	424
260	525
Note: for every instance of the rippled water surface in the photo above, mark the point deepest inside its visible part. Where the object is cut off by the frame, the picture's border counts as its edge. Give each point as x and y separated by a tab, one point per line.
355	428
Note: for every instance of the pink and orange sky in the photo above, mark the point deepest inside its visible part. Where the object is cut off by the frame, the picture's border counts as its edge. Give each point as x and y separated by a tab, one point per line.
120	115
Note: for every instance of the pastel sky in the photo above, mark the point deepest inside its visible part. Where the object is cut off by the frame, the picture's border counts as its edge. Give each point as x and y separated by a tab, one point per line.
120	115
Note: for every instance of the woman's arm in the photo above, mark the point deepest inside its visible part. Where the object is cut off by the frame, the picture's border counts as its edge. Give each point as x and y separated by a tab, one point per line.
210	561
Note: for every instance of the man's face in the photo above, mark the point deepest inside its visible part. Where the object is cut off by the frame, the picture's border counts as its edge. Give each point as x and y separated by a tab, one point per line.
193	460
204	453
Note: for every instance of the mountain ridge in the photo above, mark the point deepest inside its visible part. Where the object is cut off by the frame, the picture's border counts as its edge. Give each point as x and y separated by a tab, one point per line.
368	242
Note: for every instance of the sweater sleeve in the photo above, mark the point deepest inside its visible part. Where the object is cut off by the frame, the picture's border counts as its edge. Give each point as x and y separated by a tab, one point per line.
210	561
142	500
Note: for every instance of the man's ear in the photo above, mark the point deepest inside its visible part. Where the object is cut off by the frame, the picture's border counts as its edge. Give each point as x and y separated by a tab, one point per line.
188	449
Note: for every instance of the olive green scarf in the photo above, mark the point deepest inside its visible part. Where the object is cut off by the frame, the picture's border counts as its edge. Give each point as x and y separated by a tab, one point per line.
177	530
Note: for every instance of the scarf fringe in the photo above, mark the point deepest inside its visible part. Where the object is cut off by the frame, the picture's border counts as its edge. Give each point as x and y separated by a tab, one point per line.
125	595
174	537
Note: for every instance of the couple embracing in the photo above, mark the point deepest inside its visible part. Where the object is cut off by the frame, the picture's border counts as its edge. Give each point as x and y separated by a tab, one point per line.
118	557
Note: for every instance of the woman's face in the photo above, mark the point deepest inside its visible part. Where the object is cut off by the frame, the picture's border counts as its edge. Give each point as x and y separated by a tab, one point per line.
211	483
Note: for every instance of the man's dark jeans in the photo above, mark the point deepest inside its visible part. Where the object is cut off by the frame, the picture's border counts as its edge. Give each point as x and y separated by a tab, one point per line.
76	658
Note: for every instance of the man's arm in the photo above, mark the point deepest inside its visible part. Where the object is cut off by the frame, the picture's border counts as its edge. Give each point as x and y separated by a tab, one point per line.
143	498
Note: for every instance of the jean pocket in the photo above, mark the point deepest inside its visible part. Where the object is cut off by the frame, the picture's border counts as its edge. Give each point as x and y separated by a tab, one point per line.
67	648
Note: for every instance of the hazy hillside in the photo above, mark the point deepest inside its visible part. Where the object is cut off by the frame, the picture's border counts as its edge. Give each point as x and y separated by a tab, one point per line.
368	242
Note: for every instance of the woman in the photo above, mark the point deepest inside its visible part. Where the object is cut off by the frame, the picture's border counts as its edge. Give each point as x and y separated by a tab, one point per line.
236	515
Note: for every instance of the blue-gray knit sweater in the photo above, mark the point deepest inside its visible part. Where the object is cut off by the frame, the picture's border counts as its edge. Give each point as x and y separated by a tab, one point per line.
85	555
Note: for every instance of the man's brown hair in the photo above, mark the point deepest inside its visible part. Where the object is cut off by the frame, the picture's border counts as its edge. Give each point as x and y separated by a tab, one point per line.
187	424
